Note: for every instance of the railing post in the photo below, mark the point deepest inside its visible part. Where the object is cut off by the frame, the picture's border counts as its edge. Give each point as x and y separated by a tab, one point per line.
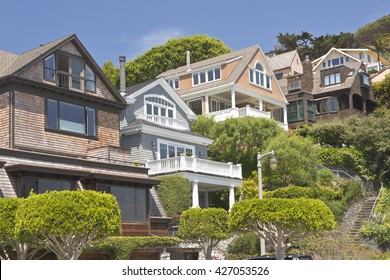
194	165
182	163
230	169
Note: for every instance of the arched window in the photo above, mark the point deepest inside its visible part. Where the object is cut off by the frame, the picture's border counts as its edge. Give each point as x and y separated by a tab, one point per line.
159	109
259	77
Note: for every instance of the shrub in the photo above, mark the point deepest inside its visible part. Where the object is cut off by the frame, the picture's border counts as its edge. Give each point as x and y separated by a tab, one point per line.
343	157
175	194
120	247
244	246
332	133
380	232
322	193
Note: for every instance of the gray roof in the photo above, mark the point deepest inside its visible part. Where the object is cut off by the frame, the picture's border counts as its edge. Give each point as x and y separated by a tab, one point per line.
11	63
245	56
136	87
282	61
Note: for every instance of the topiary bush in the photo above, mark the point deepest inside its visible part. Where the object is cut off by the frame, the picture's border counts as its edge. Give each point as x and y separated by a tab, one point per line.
174	194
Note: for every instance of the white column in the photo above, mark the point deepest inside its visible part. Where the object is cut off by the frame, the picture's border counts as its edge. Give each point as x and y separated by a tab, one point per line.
195	194
260	105
231	197
285	114
206	104
233	98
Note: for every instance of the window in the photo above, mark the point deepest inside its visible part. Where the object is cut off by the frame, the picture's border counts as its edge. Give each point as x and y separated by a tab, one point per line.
159	110
69	71
132	202
335	62
332	104
369	58
217	105
320	106
361	55
174	83
70	117
195	106
50	68
364	80
172	149
331	79
206	76
310	110
42	185
295	111
259	77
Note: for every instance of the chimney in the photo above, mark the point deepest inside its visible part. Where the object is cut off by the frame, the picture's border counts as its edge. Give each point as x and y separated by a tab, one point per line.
188	58
307	79
122	73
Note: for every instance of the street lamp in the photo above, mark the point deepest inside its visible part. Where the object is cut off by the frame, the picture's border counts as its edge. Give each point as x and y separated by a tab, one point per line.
272	163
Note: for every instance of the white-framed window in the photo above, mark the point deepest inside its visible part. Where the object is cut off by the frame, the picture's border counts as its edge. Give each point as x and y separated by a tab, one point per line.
159	106
361	55
335	62
174	83
206	76
332	79
217	105
259	77
169	149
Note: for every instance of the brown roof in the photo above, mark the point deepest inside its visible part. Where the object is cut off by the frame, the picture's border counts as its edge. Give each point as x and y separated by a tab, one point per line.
282	61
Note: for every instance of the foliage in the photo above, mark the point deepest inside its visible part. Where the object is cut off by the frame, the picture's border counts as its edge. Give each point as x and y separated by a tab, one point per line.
325	177
206	227
174	194
291	192
67	221
250	187
306	43
120	247
172	55
382	208
380	232
204	126
244	246
335	245
343	157
112	73
281	222
382	92
370	34
330	133
8	239
290	150
238	140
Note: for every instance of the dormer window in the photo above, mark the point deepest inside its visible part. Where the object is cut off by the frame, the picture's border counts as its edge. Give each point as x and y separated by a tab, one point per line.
259	77
174	83
332	79
160	110
70	72
206	76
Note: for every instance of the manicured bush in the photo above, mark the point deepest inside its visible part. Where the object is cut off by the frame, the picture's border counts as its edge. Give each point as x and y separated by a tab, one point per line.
244	246
322	193
174	194
120	247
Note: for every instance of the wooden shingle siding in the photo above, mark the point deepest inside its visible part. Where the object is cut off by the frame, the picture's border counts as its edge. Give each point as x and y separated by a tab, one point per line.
4	120
30	129
7	184
132	229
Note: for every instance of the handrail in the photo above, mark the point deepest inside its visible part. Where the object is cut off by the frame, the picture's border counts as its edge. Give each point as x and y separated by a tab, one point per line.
376	201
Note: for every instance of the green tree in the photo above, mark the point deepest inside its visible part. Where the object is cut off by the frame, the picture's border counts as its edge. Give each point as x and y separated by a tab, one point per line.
111	72
281	222
8	238
66	222
368	34
297	162
238	140
172	55
175	194
330	133
382	93
206	227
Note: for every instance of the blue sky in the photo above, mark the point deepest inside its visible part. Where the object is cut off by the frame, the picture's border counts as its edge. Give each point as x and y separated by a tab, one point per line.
112	28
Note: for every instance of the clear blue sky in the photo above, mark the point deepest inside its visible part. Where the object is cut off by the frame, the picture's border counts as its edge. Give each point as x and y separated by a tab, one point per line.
112	28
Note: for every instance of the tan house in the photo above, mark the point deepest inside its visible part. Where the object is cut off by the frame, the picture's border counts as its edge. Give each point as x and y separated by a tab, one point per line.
237	84
59	130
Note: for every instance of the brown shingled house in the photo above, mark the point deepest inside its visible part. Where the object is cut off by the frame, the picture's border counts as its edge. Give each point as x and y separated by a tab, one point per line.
237	84
59	130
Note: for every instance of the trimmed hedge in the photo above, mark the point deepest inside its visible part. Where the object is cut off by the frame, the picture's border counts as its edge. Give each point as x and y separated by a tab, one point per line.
321	193
120	247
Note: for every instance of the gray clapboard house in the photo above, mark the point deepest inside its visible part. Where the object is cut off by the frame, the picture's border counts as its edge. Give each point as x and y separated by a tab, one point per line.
156	127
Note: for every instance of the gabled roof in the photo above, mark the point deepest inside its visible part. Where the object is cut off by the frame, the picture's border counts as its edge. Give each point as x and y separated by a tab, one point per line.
321	59
283	60
136	90
13	64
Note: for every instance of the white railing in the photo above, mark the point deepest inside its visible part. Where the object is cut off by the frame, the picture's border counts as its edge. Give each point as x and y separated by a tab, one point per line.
193	164
238	113
165	121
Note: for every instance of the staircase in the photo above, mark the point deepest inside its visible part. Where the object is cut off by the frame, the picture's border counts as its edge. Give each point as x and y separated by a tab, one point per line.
363	216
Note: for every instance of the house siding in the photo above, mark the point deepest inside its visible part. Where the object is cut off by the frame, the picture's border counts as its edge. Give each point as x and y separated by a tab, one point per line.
4	120
30	131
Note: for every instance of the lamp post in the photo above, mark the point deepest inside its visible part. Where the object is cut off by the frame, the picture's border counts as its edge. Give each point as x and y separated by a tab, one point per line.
273	164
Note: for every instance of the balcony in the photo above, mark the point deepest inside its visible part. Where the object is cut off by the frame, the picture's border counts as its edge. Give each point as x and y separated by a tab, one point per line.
110	154
193	164
238	113
165	121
